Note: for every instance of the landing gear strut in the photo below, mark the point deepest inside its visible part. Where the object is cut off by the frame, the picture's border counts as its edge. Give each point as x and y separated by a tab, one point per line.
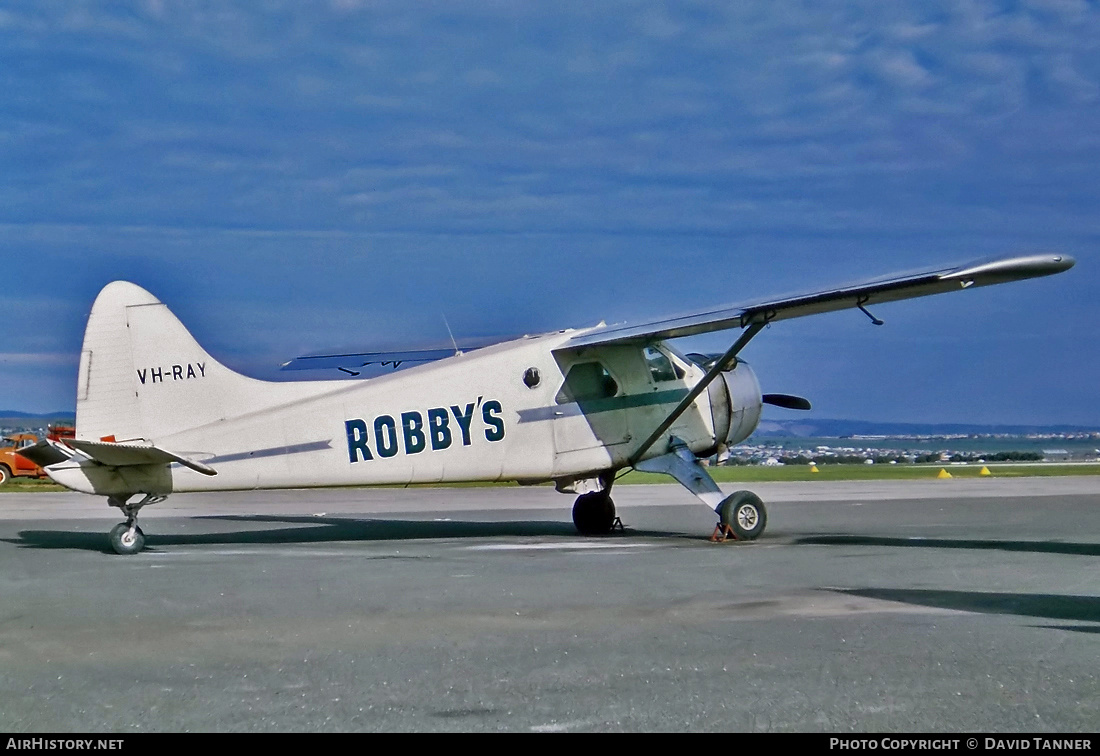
740	514
126	537
594	513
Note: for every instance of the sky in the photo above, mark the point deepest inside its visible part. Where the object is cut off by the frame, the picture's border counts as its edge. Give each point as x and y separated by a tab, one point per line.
290	177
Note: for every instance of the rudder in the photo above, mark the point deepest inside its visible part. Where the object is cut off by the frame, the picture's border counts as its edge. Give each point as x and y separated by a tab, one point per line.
143	376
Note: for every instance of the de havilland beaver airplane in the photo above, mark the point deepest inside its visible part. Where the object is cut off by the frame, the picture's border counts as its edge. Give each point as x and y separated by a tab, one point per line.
156	414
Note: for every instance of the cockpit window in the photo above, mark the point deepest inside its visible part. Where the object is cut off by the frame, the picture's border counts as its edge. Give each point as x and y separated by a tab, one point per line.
585	381
660	366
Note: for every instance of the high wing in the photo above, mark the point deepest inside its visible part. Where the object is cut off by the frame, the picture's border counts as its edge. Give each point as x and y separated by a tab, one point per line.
887	289
753	317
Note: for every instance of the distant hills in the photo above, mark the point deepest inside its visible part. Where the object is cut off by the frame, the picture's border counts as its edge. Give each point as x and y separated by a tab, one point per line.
826	428
13	419
12	414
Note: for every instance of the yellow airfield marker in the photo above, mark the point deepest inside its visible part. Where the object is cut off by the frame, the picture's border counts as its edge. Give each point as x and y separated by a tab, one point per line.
943	473
813	469
984	471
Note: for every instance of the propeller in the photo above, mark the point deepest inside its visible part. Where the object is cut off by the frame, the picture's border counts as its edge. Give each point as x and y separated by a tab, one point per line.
786	401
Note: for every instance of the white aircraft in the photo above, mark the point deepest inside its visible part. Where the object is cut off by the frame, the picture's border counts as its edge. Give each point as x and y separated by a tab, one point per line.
156	414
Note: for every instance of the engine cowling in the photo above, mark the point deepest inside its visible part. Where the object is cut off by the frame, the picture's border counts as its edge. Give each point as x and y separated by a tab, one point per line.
735	404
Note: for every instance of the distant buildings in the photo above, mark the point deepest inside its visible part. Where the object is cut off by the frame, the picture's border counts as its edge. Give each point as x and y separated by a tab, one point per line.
958	449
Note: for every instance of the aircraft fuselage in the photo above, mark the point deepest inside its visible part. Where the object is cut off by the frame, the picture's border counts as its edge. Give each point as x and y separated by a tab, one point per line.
470	417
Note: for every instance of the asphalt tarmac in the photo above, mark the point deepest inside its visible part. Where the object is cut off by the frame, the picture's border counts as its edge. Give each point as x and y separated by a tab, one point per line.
928	606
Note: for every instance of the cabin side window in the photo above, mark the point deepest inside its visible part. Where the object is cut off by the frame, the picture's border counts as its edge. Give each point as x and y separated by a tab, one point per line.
660	366
586	381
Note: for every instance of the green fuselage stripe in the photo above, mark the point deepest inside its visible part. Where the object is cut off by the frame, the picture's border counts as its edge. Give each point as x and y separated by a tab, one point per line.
595	406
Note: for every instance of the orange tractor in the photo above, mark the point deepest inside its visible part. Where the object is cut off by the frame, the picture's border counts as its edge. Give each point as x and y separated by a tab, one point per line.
14	464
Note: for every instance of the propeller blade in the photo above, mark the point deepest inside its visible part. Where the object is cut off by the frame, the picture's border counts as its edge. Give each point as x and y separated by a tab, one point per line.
787	401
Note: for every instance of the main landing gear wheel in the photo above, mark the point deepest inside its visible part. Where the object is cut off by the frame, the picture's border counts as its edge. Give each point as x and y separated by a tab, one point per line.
742	515
594	514
127	538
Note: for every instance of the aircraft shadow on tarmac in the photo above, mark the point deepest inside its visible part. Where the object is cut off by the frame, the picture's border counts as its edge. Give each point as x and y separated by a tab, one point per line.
1044	605
321	529
313	529
1050	606
316	529
1038	547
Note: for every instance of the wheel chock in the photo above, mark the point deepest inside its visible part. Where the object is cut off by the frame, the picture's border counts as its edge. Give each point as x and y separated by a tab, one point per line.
722	533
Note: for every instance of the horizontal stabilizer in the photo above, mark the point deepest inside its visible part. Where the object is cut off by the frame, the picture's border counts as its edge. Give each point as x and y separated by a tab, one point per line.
350	362
128	454
46	453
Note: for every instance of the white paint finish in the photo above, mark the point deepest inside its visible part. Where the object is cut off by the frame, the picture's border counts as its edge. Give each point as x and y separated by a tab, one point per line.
744	398
144	378
149	379
605	440
130	331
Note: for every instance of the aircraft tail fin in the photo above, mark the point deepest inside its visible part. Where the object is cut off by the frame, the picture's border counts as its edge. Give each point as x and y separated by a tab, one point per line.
143	376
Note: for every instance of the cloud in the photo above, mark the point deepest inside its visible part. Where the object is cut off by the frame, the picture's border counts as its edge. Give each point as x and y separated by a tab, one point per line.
386	156
711	94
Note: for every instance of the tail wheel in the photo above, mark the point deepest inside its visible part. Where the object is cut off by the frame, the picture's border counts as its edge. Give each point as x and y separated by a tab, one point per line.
594	514
127	539
743	512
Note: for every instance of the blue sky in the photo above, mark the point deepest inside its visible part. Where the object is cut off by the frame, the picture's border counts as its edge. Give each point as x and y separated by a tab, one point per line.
290	176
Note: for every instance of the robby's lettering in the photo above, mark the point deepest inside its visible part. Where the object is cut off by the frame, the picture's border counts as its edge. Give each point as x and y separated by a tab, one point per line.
495	431
438	430
172	373
414	431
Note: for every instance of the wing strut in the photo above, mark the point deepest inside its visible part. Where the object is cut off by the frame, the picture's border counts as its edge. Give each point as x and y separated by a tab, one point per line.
721	364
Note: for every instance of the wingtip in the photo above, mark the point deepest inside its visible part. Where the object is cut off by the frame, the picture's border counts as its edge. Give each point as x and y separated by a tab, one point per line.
1013	268
1065	261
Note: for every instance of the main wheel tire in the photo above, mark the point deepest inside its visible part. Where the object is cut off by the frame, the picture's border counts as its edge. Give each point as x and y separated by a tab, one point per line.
594	514
5	473
745	514
123	542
